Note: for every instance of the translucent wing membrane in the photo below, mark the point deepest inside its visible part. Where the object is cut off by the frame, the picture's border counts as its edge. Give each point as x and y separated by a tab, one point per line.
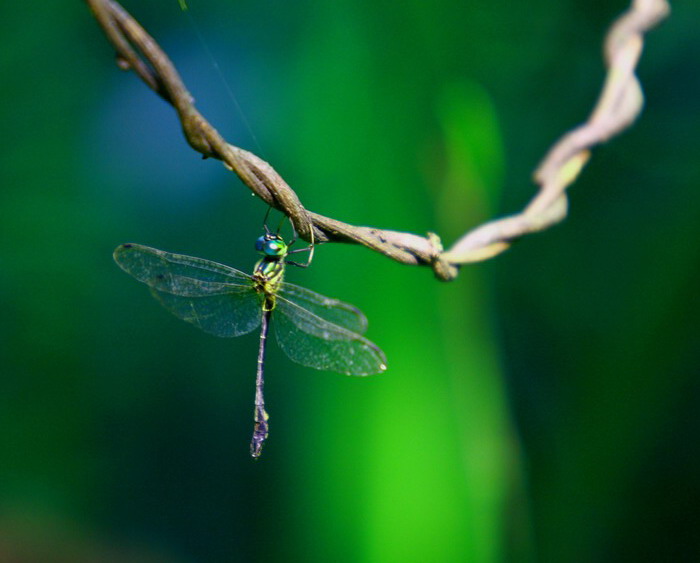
313	330
218	299
226	315
314	342
178	274
332	310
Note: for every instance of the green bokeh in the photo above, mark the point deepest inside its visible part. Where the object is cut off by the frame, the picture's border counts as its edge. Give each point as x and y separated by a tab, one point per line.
541	407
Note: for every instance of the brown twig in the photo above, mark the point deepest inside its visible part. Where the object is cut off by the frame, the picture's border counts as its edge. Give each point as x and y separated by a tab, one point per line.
619	104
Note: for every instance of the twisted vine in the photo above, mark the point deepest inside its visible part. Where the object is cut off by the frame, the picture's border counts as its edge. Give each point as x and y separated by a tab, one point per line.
619	104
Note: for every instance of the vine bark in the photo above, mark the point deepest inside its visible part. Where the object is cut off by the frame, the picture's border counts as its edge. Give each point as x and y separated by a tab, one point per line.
619	104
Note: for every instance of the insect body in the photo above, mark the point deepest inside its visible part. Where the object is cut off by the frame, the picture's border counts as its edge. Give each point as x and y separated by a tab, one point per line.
313	330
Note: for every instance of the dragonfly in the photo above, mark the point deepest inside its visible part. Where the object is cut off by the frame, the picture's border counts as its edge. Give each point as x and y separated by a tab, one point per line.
313	330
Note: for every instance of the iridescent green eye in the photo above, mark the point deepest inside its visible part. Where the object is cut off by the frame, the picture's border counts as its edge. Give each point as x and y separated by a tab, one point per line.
271	246
277	247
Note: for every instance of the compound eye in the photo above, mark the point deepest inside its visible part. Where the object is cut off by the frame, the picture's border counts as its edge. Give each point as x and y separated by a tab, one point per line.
271	245
275	247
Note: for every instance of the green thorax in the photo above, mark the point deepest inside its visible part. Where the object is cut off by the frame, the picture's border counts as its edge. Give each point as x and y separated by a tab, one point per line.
269	270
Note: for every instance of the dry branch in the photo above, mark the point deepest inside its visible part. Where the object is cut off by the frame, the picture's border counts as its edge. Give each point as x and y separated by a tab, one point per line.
619	104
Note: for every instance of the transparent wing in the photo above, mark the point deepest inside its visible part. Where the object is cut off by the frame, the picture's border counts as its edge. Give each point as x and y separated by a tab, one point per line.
218	299
225	315
314	342
178	274
332	310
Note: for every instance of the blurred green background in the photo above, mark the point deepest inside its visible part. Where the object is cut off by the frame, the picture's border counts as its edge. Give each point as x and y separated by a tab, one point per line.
542	407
